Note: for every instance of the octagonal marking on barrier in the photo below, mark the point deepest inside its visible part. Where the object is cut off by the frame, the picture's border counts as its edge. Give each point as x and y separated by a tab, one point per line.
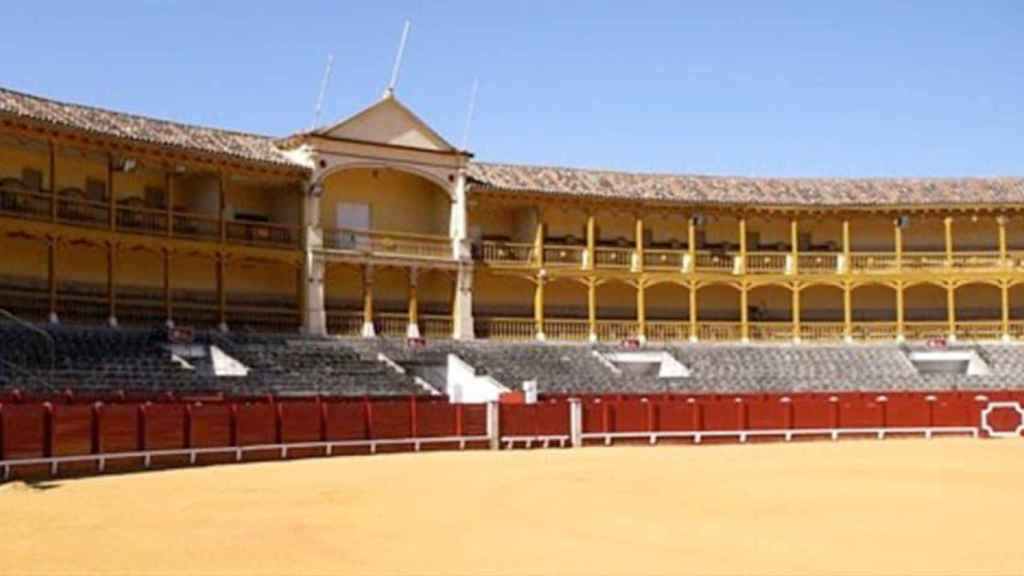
992	407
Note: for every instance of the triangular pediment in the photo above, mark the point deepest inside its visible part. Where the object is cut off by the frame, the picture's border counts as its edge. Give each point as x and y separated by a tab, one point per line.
388	122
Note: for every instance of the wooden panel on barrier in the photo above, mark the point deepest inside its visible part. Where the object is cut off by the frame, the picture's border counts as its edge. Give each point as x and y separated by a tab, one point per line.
723	415
812	413
391	420
72	430
771	414
435	419
256	424
861	414
904	412
954	412
678	417
300	422
595	417
629	416
163	428
23	435
474	420
210	426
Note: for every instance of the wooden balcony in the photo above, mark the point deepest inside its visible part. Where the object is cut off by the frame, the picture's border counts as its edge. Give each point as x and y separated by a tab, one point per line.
73	209
505	253
613	257
387	244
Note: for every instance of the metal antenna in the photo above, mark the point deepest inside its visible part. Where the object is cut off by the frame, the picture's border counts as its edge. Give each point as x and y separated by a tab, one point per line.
323	90
398	61
469	113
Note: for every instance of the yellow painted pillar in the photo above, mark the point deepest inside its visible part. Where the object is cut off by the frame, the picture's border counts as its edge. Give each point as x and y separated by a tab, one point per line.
51	278
951	309
112	283
1004	289
638	264
743	244
591	240
538	241
794	239
1001	220
222	293
413	330
168	297
744	313
899	311
898	243
52	151
111	200
222	191
691	244
169	186
796	313
592	309
368	329
948	222
538	308
847	264
693	312
847	312
641	310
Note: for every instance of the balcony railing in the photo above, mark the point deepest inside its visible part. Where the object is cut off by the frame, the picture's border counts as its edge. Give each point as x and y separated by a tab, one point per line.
818	263
822	331
507	253
767	263
659	259
19	201
719	331
262	233
570	329
144	220
979	330
388	244
197	226
83	212
504	328
609	257
925	330
563	255
720	262
771	331
884	262
668	331
617	330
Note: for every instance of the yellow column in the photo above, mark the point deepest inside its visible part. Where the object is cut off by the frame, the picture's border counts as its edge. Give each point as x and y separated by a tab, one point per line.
111	283
899	311
222	294
168	299
641	310
796	313
368	329
847	266
794	239
169	186
693	312
948	222
538	308
413	331
898	242
222	202
744	321
1001	220
847	313
592	309
538	241
51	261
1004	289
951	309
111	201
52	151
591	240
691	244
639	249
743	244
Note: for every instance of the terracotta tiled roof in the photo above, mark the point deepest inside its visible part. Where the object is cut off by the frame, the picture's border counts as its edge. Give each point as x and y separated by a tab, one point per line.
249	147
691	189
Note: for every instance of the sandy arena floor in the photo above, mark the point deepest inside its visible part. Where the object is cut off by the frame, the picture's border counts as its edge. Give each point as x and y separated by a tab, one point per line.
895	507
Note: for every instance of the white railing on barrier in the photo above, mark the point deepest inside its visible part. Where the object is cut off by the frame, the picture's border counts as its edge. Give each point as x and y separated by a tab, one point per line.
787	433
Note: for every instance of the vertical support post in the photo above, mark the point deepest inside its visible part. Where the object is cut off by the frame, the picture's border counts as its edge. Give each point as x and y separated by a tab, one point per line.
641	310
948	222
900	333
111	200
847	264
951	309
52	151
168	297
300	296
1001	221
538	307
222	203
462	307
222	296
744	313
743	245
794	240
413	330
897	232
169	200
638	250
693	312
493	425
847	312
112	283
592	308
538	240
51	278
576	422
1004	290
691	244
796	313
368	329
588	264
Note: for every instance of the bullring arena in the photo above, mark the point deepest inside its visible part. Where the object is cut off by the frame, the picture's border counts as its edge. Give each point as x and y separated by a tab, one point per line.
357	349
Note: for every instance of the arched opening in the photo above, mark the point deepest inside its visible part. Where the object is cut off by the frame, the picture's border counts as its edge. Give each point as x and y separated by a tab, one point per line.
668	312
82	283
139	287
25	277
979	311
718	312
976	233
565	310
821	303
194	290
390	301
343	298
503	306
925	302
383	200
616	311
262	295
873	312
434	292
1015	295
770	312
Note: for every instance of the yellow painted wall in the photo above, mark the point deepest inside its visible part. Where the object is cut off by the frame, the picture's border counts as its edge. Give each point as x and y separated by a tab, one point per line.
16	155
500	295
924	302
718	302
772	303
272	279
978	302
75	166
434	290
616	300
873	302
667	301
343	286
140	269
399	202
822	303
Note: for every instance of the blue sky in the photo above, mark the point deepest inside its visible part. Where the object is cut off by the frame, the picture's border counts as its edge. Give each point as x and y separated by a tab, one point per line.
844	88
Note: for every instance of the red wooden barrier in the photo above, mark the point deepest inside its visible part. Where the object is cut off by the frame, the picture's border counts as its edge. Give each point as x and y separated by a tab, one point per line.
434	420
23	430
345	421
678	417
768	415
629	416
71	430
861	414
903	412
474	420
256	424
164	427
722	415
812	413
391	419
